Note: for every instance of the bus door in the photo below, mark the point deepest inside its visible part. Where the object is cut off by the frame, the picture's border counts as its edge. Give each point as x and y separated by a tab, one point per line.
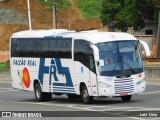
85	69
92	73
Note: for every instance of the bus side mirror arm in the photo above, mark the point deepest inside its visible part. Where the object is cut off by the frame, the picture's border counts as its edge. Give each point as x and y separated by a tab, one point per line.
146	47
96	57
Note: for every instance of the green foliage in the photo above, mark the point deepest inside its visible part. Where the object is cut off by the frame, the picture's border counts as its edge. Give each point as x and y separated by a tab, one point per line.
4	65
109	10
90	8
127	13
156	5
128	16
60	4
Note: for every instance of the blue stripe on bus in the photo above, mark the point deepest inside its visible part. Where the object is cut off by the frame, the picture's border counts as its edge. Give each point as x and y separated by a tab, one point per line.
65	92
59	69
63	87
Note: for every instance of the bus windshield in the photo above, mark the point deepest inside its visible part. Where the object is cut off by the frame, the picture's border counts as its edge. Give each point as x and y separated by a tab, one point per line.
120	58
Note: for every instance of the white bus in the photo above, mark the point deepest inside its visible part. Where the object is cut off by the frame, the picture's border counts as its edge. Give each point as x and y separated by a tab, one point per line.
80	64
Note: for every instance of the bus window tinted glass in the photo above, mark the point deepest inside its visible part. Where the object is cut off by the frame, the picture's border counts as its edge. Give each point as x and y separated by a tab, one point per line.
84	54
41	47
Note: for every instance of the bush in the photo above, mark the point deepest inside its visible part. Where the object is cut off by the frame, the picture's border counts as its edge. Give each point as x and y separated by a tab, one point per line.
4	65
90	8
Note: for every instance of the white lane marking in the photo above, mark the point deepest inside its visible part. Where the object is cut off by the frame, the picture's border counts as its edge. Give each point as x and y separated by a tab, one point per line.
114	108
80	108
137	118
64	105
146	109
70	106
8	91
98	107
155	118
150	92
6	88
87	108
121	108
152	84
35	103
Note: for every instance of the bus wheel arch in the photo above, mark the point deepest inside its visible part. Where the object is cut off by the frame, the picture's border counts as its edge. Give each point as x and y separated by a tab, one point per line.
84	94
39	95
35	82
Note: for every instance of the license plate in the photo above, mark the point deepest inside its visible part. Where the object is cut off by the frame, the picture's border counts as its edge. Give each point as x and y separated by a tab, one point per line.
124	93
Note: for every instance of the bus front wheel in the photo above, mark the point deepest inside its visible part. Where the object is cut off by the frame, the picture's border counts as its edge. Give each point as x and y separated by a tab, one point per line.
41	96
85	95
126	98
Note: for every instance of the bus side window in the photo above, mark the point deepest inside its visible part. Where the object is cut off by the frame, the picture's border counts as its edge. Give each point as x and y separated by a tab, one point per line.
91	60
84	54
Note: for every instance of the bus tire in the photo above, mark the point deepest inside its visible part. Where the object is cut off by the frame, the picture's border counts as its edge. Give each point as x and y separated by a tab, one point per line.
126	98
72	96
41	96
85	95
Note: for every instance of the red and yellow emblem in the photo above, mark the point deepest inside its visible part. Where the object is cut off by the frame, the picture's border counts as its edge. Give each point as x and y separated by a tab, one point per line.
24	78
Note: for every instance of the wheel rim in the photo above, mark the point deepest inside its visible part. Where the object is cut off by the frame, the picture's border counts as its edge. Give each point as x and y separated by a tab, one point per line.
85	95
38	93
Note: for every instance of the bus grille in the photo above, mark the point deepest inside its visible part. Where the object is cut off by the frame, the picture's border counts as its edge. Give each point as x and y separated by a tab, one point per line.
124	85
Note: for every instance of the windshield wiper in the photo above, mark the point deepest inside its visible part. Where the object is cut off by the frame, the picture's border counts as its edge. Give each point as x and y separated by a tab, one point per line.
130	68
118	61
111	72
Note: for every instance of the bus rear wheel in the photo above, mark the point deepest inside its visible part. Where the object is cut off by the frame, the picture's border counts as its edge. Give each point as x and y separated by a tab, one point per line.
85	95
126	98
41	96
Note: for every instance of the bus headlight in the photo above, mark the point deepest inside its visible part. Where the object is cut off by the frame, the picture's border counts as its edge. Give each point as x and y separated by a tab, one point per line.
104	85
139	82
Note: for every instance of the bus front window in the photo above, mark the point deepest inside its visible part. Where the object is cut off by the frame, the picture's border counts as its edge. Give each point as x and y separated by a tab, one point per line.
120	58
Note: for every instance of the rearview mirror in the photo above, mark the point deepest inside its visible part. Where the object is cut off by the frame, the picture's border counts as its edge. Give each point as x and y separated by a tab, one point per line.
146	47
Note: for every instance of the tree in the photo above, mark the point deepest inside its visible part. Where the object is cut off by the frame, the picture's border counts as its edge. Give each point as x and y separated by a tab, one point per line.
126	13
156	3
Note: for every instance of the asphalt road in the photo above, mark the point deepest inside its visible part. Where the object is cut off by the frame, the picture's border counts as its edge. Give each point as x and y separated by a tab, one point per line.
16	100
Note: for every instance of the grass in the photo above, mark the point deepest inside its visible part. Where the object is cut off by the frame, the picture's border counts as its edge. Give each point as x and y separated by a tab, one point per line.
90	8
60	4
4	66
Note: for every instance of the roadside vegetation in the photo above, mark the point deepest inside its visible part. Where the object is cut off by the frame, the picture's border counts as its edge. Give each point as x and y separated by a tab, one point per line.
121	14
60	4
90	8
4	66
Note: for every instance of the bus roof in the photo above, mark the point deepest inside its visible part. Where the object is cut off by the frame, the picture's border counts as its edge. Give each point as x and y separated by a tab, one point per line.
92	36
